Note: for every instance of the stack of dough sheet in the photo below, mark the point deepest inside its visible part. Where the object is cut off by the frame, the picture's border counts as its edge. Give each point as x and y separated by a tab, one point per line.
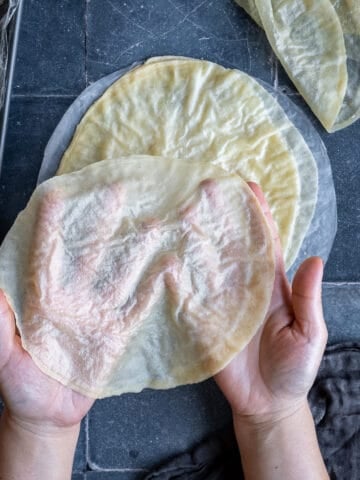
199	111
148	261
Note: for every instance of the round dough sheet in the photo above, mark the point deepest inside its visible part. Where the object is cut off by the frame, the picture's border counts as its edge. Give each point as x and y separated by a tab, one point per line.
192	109
131	273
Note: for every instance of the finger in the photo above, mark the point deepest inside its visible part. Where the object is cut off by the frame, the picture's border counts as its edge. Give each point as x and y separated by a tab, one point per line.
223	230
306	299
7	328
50	210
45	276
211	216
175	284
110	205
80	226
203	241
47	247
93	224
126	319
6	314
281	292
192	211
162	274
273	227
124	264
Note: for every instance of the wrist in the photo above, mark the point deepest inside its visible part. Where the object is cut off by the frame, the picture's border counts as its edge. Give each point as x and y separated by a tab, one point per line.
39	430
270	445
32	451
266	421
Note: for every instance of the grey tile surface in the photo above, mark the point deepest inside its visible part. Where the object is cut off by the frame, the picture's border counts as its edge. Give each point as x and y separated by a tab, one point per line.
342	311
139	430
31	123
343	149
51	53
80	453
78	476
132	31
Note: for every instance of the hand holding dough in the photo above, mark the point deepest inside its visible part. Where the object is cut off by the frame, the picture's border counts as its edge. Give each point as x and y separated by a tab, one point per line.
119	284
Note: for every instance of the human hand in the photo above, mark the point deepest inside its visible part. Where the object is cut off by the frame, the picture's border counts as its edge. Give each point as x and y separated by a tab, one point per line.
40	425
31	397
271	377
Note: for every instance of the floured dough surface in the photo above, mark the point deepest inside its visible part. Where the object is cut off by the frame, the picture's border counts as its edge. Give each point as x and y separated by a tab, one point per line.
131	273
197	110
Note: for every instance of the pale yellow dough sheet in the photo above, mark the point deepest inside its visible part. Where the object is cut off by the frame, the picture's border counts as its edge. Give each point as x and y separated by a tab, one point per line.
348	12
118	284
318	43
197	110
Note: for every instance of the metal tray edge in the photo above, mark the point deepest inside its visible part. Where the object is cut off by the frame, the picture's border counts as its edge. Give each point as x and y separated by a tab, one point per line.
10	77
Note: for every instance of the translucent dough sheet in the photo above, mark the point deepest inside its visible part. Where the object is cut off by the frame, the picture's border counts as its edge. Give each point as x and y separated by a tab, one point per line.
320	236
107	304
318	44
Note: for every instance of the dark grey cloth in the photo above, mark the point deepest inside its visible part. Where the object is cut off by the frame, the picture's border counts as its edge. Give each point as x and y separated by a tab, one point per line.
216	458
335	404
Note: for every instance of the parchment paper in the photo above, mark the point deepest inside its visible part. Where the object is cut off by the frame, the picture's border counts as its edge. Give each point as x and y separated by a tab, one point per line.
320	236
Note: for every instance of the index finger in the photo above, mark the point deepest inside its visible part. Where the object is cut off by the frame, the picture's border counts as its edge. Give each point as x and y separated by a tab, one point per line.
273	227
281	292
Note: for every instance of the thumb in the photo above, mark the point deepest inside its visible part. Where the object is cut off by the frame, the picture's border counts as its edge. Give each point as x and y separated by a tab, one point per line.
7	325
306	300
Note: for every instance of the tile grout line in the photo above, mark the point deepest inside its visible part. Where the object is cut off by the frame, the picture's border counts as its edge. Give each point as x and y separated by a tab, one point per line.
43	95
87	441
276	72
86	42
92	466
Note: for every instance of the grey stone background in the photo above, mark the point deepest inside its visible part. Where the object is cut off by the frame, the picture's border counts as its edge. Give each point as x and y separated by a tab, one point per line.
64	46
